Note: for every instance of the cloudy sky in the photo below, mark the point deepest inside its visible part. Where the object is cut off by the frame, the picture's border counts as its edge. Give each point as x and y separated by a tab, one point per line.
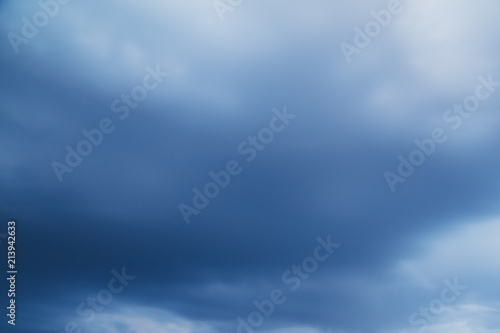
251	166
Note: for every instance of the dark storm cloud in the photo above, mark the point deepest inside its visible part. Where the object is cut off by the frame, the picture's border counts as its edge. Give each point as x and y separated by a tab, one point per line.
323	175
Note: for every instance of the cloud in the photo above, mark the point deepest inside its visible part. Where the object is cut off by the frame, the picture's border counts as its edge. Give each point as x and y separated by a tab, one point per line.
322	176
469	250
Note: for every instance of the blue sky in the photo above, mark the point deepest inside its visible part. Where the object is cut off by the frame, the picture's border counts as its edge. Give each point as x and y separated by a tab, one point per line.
196	90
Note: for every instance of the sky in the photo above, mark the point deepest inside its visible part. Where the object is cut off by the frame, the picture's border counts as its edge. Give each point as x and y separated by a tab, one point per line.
241	166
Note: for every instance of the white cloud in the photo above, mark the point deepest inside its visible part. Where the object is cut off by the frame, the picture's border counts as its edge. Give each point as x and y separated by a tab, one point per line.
466	318
135	319
443	42
469	251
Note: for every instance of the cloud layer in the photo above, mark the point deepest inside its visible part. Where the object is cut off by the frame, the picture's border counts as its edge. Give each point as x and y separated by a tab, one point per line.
322	175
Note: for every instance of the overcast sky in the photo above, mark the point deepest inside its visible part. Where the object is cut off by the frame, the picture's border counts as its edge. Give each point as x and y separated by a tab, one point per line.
347	184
